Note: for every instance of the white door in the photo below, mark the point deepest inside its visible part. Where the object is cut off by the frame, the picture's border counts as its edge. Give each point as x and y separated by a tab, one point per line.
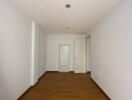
64	58
80	55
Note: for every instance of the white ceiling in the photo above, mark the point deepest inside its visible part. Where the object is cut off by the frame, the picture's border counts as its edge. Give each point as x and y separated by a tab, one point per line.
56	18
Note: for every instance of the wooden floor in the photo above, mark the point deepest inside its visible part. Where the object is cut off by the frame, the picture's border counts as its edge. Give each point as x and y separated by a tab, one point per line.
64	86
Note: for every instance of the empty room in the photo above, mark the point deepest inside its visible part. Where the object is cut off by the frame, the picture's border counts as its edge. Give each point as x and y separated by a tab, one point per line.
65	50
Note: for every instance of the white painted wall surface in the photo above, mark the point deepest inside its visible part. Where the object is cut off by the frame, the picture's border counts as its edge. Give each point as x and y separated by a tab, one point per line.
112	52
42	52
15	52
35	53
88	52
53	41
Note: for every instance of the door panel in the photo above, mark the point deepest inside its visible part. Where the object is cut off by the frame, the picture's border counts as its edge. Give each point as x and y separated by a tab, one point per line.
80	55
64	58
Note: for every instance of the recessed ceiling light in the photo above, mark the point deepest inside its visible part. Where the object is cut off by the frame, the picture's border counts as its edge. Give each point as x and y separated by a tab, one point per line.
67	28
68	5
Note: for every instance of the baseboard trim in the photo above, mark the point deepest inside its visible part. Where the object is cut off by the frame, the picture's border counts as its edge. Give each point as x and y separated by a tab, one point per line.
25	92
52	72
100	88
88	72
31	87
42	75
59	72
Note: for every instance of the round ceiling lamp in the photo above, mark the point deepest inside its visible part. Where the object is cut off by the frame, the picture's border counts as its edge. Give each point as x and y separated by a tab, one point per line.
68	5
67	28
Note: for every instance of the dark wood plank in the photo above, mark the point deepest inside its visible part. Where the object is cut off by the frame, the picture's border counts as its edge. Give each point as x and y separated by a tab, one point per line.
64	86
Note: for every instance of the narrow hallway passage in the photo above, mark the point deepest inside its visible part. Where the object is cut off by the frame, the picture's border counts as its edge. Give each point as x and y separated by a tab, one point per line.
64	86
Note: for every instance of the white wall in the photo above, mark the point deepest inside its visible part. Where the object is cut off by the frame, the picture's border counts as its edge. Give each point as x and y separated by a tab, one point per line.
42	52
39	52
53	41
35	53
88	52
15	52
112	52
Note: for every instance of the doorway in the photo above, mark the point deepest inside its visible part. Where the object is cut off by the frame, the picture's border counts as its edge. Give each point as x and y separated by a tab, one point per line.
80	55
64	55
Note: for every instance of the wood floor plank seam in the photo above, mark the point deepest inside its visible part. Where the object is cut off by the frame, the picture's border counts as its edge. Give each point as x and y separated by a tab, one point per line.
64	86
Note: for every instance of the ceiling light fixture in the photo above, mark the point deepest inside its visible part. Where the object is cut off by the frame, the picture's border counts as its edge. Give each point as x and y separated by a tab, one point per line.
67	28
68	5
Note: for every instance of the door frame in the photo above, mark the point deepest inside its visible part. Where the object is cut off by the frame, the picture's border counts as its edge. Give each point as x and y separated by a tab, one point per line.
74	58
68	56
88	64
